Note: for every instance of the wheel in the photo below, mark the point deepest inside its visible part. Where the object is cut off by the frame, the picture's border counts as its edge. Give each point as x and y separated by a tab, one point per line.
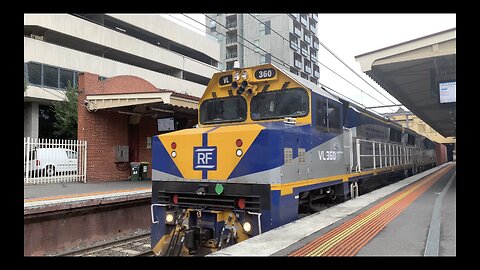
50	170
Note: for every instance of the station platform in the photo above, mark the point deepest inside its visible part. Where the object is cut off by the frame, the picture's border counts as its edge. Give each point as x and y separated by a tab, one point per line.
412	217
48	197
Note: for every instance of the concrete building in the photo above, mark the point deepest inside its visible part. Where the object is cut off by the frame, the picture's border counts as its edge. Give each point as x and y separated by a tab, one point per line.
57	47
290	38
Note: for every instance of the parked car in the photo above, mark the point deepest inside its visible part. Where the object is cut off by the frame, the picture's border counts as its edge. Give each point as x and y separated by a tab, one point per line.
50	161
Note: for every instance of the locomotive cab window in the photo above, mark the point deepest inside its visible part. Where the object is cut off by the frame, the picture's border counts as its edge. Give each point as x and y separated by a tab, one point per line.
328	116
279	104
223	110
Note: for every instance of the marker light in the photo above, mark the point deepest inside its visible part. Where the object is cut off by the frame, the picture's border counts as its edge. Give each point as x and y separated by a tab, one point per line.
236	75
244	74
169	218
241	203
175	199
239	152
174	145
239	143
174	154
247	227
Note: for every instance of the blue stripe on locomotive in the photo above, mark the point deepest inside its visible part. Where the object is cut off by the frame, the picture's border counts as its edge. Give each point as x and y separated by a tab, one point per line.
161	159
269	145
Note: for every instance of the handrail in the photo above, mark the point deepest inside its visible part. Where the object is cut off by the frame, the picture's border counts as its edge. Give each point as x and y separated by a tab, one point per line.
393	154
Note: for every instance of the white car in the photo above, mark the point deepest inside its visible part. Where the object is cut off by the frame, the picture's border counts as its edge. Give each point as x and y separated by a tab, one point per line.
51	161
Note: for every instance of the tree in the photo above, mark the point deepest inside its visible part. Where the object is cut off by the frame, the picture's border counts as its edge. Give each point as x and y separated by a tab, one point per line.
66	114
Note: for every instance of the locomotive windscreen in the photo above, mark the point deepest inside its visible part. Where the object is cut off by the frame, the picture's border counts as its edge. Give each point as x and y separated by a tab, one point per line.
279	104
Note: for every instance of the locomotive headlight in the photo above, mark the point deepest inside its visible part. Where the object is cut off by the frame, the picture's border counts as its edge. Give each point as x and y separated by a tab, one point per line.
169	218
244	74
239	152
174	154
236	75
247	227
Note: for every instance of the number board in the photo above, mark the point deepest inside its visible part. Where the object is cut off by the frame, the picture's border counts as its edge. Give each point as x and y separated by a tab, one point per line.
265	73
224	80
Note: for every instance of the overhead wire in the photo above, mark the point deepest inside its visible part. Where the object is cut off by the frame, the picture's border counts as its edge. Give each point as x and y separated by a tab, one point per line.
281	63
238	35
338	58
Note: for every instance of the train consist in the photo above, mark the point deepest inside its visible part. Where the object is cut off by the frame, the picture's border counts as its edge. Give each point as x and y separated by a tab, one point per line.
269	146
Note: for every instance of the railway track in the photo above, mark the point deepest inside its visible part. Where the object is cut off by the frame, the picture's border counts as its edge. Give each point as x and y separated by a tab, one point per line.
137	246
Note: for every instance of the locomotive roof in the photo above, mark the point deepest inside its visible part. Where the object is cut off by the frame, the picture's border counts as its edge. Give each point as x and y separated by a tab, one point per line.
324	92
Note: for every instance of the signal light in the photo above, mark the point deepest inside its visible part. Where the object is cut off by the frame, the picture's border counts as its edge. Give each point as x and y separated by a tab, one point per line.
241	203
244	84
175	199
174	145
234	85
239	143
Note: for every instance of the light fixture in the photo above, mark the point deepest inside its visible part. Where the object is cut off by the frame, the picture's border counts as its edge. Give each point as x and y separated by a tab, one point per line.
174	154
239	152
169	218
247	227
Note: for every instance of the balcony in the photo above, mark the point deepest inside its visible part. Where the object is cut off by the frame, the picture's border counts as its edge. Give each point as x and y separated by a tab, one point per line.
316	45
304	51
316	74
303	20
313	57
231	40
230	55
297	31
294	45
315	16
307	39
297	64
308	69
231	24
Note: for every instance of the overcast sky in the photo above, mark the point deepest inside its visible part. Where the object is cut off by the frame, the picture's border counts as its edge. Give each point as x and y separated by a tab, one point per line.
349	35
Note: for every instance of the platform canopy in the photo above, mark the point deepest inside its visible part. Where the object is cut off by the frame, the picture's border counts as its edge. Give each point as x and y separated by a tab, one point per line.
421	74
97	102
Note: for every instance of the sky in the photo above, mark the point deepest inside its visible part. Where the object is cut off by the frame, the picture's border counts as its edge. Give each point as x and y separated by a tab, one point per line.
349	35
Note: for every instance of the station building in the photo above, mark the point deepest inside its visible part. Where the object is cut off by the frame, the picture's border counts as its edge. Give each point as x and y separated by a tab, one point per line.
130	70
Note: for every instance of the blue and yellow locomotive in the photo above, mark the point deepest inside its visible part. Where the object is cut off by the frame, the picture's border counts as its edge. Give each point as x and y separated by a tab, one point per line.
269	145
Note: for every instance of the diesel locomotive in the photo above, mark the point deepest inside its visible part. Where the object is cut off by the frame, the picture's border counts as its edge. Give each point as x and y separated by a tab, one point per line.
268	146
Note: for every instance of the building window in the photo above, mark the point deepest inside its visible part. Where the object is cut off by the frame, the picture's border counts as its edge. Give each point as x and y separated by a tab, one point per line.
50	76
267	27
34	73
65	77
265	58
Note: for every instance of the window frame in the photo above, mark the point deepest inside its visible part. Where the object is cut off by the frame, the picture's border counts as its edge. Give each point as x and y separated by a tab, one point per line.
307	111
204	103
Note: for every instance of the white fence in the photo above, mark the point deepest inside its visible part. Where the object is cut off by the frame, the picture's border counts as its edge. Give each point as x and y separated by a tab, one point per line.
54	161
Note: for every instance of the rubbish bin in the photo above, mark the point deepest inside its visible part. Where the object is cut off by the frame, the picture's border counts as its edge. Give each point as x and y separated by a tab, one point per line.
135	173
144	170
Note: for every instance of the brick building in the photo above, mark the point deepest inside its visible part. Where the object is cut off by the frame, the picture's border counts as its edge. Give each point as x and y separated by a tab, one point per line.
123	111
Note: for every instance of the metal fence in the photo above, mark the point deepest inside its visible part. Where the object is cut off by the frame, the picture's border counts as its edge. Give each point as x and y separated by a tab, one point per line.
54	161
374	154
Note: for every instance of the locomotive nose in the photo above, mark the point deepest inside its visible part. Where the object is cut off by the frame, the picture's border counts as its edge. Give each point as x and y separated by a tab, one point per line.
204	153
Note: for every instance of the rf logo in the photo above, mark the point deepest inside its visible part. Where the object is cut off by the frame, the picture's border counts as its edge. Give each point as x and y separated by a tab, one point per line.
205	158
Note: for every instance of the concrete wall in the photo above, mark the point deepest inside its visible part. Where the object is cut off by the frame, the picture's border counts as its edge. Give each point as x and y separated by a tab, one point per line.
82	29
172	31
30	120
42	52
